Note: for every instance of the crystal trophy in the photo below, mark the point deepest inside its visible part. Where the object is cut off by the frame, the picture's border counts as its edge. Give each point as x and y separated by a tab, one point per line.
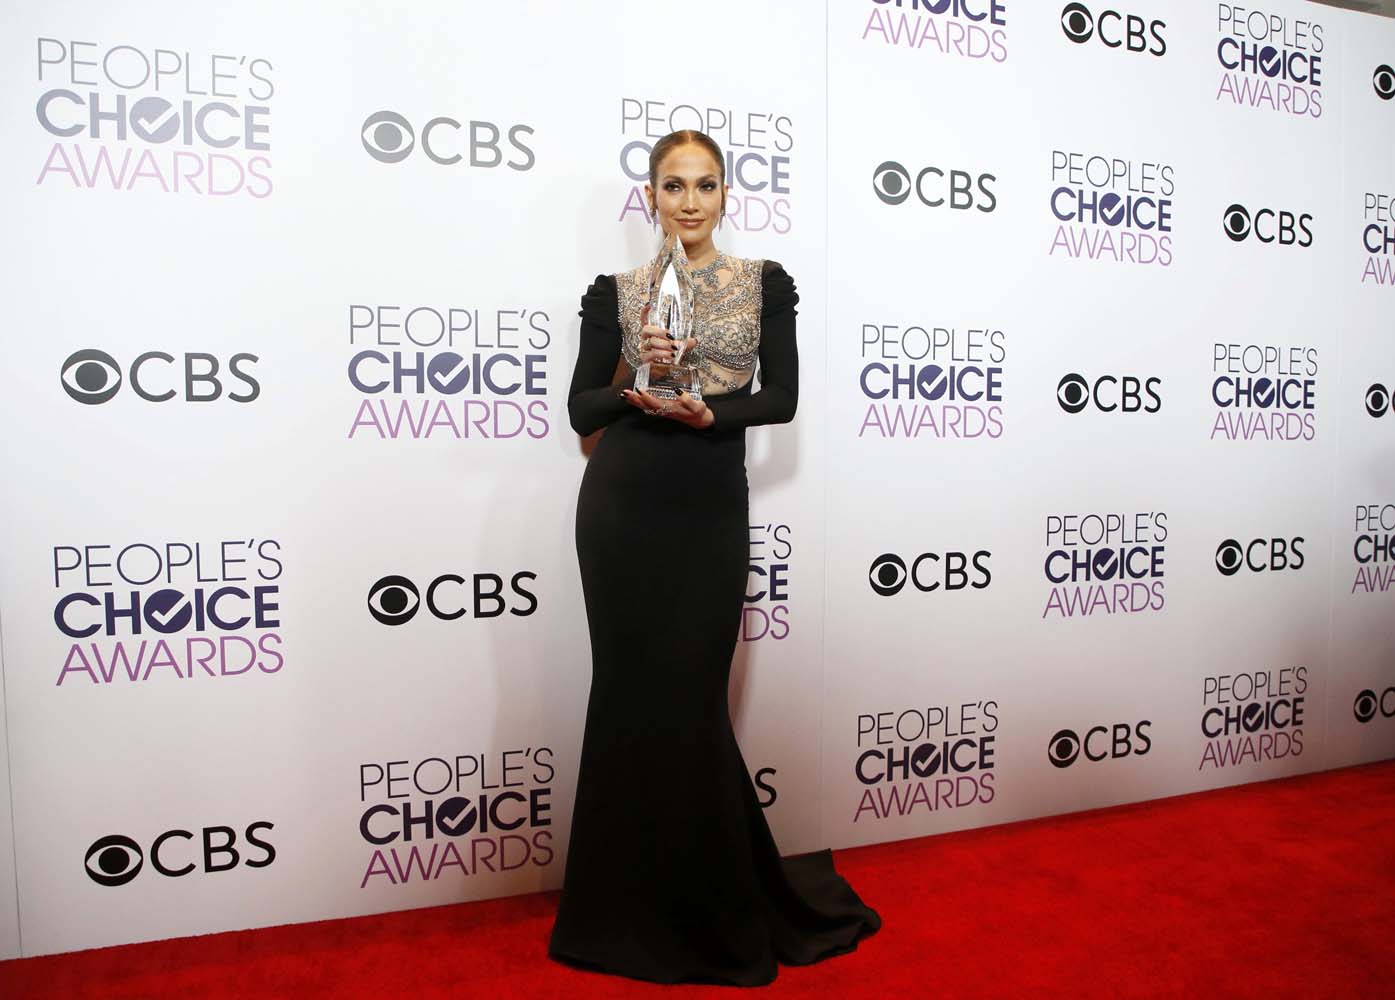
671	298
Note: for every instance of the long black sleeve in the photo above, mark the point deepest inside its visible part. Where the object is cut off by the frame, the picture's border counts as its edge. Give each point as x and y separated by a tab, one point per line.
775	401
592	401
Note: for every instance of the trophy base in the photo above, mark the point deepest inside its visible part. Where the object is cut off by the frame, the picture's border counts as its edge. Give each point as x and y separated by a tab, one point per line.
668	384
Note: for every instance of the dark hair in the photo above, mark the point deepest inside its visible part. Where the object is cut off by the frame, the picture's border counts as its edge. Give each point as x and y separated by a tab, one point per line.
683	137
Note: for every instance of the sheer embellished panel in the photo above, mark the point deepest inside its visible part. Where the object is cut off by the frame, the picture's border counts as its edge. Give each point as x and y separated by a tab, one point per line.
726	319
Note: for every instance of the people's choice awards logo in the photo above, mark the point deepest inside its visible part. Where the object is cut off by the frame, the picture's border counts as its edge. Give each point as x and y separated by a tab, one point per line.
170	610
1108	207
759	146
1252	716
1105	563
1374	549
137	118
469	372
936	382
1269	61
766	612
967	29
924	760
456	814
1378	238
1264	392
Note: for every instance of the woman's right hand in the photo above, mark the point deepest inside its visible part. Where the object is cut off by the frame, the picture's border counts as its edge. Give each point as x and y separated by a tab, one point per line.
656	348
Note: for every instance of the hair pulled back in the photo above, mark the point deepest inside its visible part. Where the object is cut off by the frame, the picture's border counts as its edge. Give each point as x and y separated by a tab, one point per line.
683	137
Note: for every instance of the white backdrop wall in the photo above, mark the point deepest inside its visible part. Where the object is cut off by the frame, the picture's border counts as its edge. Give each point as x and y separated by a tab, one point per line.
302	637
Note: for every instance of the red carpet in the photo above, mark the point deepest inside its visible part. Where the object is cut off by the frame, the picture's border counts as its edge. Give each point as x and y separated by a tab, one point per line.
1280	889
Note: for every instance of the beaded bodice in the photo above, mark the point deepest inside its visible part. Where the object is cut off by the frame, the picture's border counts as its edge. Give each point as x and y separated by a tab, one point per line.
726	319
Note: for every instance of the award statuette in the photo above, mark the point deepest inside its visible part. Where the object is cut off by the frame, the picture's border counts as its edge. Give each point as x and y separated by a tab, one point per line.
671	299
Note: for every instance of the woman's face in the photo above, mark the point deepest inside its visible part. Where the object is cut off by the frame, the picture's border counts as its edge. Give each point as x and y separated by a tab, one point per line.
690	194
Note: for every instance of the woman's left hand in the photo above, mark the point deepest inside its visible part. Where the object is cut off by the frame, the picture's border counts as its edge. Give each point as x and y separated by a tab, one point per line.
685	409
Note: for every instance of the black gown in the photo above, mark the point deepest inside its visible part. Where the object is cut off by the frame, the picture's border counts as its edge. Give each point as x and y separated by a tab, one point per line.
672	874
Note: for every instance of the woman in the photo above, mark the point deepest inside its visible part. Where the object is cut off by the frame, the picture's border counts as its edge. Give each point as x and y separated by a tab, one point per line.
672	873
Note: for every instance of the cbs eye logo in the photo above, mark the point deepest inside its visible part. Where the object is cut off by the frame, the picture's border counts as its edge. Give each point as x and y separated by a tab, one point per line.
1080	26
1109	393
888	574
935	187
1383	80
394	600
1378	400
1364	707
892	182
114	860
1064	748
1229	557
388	137
1077	23
90	376
931	572
1238	223
1368	704
1073	393
1120	740
1260	555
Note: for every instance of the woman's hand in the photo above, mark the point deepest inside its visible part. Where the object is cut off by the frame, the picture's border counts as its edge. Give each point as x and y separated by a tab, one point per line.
656	348
685	409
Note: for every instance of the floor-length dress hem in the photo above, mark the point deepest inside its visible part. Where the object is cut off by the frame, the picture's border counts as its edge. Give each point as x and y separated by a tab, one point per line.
803	872
672	873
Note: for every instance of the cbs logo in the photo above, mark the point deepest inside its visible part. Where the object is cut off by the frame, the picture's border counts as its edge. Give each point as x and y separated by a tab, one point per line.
1368	704
1378	400
1291	229
929	572
395	600
115	860
1074	392
92	377
1100	742
934	188
1259	555
1383	80
390	138
1080	26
